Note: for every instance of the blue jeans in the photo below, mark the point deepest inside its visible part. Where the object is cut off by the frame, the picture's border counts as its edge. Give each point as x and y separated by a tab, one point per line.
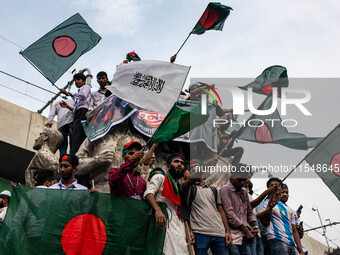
252	246
259	246
278	247
243	249
216	244
66	130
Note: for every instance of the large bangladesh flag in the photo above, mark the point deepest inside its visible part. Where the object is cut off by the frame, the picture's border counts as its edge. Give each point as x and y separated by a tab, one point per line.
213	18
273	76
57	51
268	129
325	161
46	221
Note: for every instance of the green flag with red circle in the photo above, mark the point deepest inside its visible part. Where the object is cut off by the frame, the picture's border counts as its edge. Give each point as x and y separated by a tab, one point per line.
267	129
54	53
273	76
213	18
325	160
48	221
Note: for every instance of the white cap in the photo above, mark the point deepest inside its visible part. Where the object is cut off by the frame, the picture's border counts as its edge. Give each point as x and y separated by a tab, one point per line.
5	194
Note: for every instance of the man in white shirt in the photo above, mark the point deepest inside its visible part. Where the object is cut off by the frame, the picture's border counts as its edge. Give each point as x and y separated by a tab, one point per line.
4	201
98	97
162	189
64	122
82	98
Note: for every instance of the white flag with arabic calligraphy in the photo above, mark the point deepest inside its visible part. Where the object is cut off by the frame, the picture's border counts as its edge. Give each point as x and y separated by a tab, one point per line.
150	84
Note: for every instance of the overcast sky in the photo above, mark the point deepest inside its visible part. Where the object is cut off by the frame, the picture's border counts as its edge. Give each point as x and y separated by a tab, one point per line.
301	35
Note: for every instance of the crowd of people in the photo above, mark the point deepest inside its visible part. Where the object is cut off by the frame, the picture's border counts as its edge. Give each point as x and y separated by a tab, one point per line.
226	221
200	217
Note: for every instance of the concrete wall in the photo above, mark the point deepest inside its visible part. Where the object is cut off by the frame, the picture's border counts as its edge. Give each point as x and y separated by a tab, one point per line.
19	126
313	246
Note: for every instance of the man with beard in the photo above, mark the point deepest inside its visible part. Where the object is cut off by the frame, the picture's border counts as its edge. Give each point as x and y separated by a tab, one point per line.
126	181
164	188
4	201
67	167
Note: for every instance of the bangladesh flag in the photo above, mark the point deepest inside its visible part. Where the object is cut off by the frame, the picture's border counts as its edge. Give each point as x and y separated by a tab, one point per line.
132	56
325	160
170	189
111	112
268	129
180	120
57	51
273	76
213	18
46	221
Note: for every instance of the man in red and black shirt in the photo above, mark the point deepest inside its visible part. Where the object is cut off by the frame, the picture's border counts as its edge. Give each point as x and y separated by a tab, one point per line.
126	181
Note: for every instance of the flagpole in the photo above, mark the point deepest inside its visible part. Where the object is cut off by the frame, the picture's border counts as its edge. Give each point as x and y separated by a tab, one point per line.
243	127
183	44
337	126
163	121
293	169
20	52
233	138
144	147
226	146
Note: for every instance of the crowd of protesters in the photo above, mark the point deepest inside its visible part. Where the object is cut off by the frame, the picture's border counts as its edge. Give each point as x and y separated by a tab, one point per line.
221	221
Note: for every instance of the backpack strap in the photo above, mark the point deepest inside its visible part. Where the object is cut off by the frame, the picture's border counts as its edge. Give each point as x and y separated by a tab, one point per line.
192	195
215	191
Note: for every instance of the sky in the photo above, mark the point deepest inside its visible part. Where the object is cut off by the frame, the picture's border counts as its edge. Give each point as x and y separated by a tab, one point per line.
301	35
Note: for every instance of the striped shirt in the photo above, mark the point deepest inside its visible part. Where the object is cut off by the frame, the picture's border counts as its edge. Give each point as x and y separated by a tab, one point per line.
280	226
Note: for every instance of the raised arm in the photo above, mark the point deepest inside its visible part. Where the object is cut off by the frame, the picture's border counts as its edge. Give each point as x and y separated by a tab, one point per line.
261	197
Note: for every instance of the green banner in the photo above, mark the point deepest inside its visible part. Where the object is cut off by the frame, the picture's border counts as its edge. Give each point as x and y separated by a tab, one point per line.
48	221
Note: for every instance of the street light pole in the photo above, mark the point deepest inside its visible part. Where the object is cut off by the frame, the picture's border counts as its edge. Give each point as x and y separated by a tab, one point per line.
323	227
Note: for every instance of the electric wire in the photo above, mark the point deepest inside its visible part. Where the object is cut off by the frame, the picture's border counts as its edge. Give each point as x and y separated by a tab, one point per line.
11	42
22	93
29	83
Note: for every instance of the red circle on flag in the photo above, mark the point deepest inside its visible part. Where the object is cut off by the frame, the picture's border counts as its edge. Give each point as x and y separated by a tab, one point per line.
64	46
208	18
335	163
84	234
267	89
262	134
